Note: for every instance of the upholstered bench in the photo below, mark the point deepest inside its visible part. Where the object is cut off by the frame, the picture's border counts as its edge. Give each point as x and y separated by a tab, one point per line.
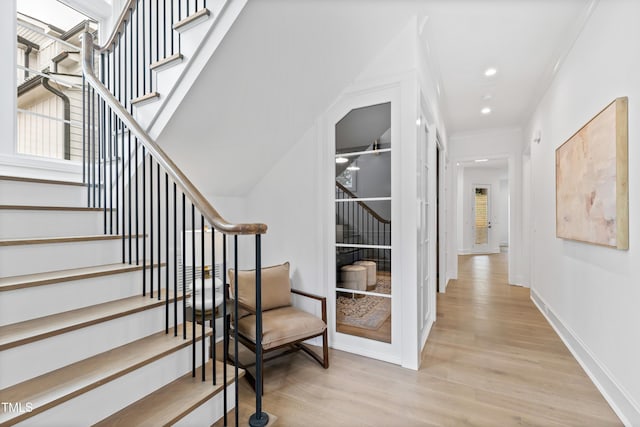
354	277
372	273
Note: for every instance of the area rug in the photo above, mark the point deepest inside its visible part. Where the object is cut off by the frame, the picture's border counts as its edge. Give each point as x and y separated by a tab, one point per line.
368	312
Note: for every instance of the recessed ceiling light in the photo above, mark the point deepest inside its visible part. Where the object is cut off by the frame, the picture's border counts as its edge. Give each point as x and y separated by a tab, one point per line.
481	160
490	72
353	168
341	160
487	97
486	110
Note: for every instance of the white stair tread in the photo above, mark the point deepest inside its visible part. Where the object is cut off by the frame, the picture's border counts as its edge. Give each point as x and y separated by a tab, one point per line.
175	400
66	239
40	181
36	329
50	208
63	384
39	279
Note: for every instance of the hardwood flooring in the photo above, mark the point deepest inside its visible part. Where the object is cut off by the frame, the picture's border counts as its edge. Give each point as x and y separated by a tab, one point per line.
491	360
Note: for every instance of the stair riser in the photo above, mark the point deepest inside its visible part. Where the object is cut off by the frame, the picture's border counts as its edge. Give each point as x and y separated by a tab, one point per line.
39	258
30	303
16	224
38	194
34	359
212	409
101	402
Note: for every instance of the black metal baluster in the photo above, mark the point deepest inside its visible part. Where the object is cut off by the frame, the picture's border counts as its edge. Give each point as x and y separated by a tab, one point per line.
145	64
110	151
103	141
122	94
137	147
171	28
159	232
184	271
157	37
144	53
164	27
259	418
225	324
151	225
235	329
175	264
92	138
202	310
166	251
115	142
213	299
144	222
193	290
84	138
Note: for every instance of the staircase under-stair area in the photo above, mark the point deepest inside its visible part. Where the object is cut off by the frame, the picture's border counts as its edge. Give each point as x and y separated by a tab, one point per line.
79	344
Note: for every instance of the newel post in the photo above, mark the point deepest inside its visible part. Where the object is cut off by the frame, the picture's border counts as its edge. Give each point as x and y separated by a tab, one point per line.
259	419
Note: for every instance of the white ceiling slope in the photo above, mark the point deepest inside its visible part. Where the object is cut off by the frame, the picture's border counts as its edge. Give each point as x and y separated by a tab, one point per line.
281	65
522	39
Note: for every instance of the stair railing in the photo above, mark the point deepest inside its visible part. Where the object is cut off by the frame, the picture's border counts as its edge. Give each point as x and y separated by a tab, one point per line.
365	226
145	196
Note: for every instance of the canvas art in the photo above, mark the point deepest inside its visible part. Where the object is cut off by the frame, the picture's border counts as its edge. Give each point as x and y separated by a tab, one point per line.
592	202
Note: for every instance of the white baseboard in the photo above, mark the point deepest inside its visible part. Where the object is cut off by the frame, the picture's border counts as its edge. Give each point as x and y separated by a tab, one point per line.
425	334
520	281
618	398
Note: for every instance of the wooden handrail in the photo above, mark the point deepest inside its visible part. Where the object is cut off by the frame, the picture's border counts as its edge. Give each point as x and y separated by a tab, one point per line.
198	200
363	205
117	28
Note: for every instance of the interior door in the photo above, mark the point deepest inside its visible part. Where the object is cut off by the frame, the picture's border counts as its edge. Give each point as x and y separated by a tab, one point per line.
481	217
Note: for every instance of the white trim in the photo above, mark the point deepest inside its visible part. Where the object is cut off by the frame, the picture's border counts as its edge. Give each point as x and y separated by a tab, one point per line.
371	95
426	331
616	396
355	291
358	153
353	245
40	164
365	199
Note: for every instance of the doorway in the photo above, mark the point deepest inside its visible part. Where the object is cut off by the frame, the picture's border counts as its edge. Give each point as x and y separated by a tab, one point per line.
363	223
481	218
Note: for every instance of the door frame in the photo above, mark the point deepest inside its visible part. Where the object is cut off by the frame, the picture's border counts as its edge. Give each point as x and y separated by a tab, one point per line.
389	352
486	247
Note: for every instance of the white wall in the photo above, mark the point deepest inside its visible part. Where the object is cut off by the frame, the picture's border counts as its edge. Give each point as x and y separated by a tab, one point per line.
591	292
494	144
8	77
498	200
293	198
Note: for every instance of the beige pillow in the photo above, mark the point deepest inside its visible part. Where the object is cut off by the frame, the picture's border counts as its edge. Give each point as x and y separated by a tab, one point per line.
276	287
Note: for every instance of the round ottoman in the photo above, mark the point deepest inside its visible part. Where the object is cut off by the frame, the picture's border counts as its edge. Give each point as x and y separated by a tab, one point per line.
372	273
354	277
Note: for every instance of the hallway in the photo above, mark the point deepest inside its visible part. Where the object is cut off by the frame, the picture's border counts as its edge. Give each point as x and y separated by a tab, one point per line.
494	344
491	360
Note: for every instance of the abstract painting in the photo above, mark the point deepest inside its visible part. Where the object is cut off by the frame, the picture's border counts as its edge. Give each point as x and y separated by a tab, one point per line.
592	199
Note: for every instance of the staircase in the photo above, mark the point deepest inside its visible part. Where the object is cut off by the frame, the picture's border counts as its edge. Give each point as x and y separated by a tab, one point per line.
79	344
94	325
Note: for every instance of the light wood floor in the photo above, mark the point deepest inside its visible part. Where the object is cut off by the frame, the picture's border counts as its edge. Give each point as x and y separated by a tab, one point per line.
491	360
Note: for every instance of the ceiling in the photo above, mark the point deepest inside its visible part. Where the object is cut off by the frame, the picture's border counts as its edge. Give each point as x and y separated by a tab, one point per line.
284	62
522	39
